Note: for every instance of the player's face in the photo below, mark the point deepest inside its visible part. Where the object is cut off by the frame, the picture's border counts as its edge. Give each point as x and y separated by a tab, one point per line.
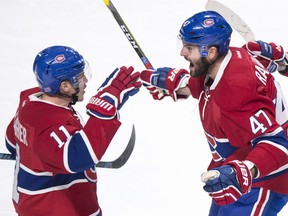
198	65
82	85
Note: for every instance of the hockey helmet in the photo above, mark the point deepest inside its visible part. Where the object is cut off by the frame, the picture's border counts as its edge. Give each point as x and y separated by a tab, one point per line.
206	29
56	64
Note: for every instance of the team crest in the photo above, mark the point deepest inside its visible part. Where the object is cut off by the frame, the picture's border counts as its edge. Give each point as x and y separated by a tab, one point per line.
59	58
91	175
208	22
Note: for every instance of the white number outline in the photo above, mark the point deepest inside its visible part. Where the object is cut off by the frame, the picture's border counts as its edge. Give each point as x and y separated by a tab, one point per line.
57	138
260	126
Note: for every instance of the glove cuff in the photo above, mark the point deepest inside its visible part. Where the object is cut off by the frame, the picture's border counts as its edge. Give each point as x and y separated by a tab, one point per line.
101	108
183	82
244	175
251	166
283	65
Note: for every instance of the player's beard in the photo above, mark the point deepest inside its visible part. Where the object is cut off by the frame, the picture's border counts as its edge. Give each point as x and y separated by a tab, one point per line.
201	68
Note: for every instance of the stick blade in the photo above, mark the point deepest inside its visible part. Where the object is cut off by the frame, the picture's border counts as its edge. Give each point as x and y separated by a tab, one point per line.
232	18
123	158
7	156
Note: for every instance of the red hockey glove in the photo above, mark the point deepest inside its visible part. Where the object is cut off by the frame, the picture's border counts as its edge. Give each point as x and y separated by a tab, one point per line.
271	55
226	184
114	92
157	94
170	79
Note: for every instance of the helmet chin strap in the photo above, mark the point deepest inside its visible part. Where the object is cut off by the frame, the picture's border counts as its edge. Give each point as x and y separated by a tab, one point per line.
73	97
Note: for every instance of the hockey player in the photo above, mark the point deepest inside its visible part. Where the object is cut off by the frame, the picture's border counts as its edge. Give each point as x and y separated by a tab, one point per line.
56	154
243	113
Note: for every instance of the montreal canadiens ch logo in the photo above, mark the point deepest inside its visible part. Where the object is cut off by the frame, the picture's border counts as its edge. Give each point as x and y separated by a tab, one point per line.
60	58
208	22
91	175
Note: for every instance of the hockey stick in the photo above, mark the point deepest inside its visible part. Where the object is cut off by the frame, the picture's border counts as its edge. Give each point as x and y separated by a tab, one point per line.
123	158
128	34
117	163
131	39
6	156
232	18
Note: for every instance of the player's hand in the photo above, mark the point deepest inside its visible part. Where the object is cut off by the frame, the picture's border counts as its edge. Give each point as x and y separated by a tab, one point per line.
271	55
226	184
169	79
156	93
114	92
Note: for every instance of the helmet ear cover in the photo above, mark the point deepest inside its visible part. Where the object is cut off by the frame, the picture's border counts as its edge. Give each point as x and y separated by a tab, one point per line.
203	49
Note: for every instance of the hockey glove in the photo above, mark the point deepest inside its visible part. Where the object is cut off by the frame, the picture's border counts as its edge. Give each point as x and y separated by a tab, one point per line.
114	92
271	55
226	184
170	79
157	94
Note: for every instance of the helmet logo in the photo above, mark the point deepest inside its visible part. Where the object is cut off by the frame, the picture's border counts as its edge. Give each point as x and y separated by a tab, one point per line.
208	22
187	22
59	58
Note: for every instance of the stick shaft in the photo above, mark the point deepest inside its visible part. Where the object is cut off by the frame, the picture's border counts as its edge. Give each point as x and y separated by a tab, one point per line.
128	34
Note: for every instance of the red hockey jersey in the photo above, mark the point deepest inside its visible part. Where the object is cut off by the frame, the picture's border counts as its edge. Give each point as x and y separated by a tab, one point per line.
55	157
242	112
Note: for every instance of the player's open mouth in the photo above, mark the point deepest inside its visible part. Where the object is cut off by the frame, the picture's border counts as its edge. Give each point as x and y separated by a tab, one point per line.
191	66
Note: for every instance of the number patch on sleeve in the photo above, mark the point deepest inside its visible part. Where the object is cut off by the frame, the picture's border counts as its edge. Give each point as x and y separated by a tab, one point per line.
57	138
257	123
